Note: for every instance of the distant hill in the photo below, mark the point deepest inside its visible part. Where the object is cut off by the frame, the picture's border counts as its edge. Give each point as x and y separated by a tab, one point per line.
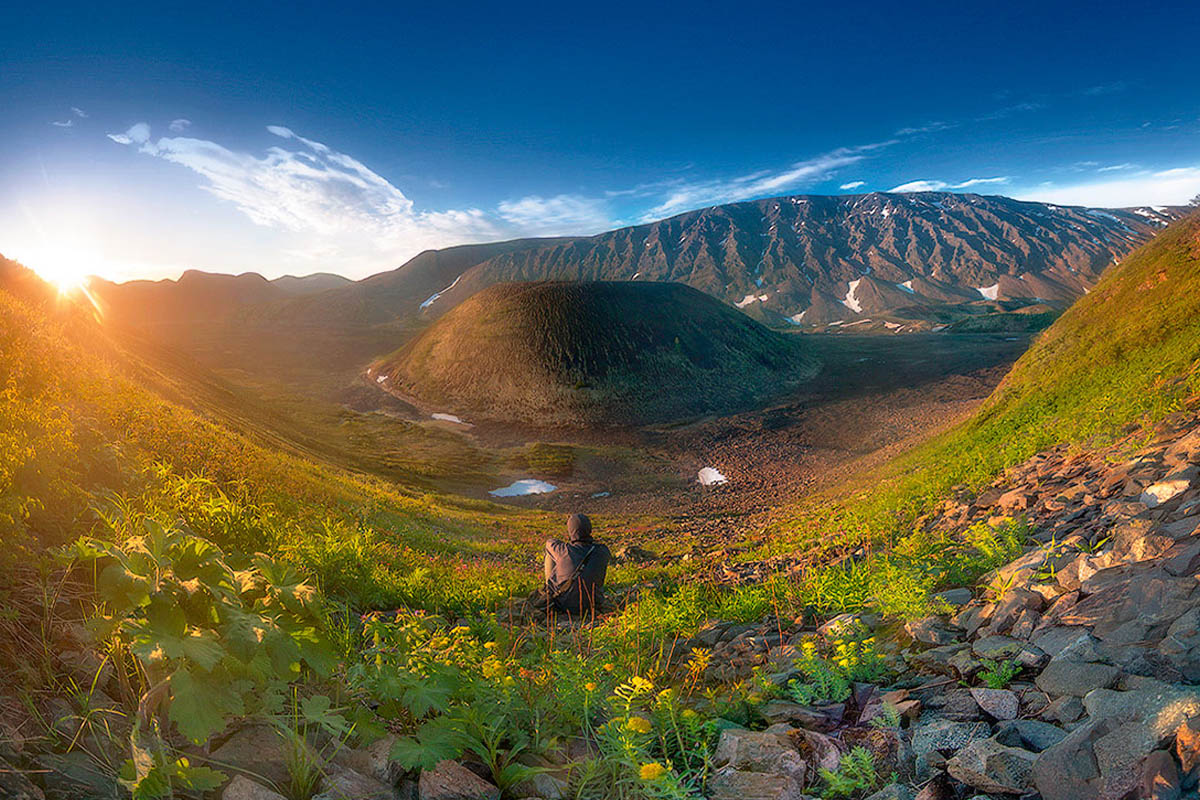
803	260
585	353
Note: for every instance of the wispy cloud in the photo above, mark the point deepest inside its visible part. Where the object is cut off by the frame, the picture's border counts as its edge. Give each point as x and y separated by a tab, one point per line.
1106	88
1164	187
696	194
1008	111
340	205
929	127
556	216
1116	167
179	125
926	185
79	112
76	113
853	185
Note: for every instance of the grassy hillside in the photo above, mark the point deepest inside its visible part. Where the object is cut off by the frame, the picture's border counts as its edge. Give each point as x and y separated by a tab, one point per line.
572	353
1128	353
81	436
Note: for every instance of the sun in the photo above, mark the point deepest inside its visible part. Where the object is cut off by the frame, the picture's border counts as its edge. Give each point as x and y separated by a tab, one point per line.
67	269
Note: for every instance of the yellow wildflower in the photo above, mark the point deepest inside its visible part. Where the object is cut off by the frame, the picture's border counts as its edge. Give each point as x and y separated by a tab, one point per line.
639	724
640	684
489	645
591	687
609	667
458	630
652	771
509	680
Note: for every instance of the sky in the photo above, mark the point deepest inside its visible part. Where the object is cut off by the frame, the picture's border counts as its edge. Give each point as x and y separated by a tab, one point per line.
137	142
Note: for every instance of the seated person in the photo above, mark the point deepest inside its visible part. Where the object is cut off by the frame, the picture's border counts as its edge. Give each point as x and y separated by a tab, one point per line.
575	569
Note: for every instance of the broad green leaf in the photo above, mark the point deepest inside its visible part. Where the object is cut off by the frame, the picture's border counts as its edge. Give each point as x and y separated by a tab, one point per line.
199	707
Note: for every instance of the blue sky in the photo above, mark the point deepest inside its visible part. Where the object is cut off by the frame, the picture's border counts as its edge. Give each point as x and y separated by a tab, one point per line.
348	137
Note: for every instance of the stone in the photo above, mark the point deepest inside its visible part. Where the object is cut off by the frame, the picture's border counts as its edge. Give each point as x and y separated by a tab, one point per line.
1076	678
947	735
1000	704
1069	642
258	750
1029	734
730	784
760	751
777	711
1165	491
954	597
989	766
996	648
956	703
374	760
1064	710
15	786
936	659
1187	748
346	784
450	780
893	791
1102	758
1160	777
932	631
242	788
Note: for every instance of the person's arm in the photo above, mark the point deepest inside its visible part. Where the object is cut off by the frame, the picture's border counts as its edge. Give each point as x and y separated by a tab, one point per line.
548	566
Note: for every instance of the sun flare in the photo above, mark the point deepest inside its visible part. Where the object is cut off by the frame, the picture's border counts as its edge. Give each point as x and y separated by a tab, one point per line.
68	270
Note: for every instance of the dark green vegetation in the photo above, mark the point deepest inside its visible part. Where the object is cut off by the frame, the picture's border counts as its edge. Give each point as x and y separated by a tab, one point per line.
586	353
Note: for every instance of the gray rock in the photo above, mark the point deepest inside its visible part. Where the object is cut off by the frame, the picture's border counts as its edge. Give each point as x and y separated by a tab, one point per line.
1063	710
989	766
730	784
777	711
374	760
1030	734
947	735
1001	704
242	788
450	780
953	597
932	631
346	784
1160	777
1102	758
1076	678
257	750
15	786
760	751
893	791
997	648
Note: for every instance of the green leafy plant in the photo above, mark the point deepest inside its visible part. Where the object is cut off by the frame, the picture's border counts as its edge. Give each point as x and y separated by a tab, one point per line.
855	776
998	674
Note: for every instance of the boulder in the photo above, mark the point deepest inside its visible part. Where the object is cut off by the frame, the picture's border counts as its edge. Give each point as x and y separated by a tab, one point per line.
258	750
893	791
1160	777
450	780
1076	678
953	597
1000	704
730	784
242	788
760	751
15	786
946	735
1103	757
346	784
989	766
374	760
1168	489
1029	734
819	718
932	631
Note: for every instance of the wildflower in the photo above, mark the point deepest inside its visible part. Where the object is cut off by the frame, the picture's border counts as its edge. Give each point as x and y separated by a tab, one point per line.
591	687
639	725
489	645
458	630
640	684
609	667
509	680
652	771
689	714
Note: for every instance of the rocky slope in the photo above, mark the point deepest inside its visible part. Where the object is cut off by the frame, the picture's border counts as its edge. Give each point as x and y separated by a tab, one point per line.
813	260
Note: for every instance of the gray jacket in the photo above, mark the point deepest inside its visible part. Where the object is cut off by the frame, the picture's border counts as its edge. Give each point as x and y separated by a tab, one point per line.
580	576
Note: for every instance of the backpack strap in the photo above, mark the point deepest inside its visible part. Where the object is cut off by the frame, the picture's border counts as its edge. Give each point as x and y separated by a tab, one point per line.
569	583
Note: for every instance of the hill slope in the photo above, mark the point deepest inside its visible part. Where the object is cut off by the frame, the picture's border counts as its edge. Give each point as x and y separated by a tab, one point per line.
568	353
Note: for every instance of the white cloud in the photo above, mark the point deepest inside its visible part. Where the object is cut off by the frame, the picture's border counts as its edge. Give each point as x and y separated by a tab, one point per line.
689	195
335	205
137	134
931	127
1117	167
853	185
1166	187
180	125
65	124
942	186
79	112
562	214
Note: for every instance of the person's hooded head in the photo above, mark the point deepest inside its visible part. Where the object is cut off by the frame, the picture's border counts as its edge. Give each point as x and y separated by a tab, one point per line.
579	528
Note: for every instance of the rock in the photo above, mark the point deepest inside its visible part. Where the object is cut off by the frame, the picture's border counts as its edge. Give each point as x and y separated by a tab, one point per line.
450	780
1064	710
1187	748
893	791
1029	734
374	760
346	784
258	750
954	597
1166	490
997	648
957	704
1001	704
15	786
946	735
633	553
1076	678
989	766
760	751
777	711
1160	778
242	788
1102	758
932	631
937	659
730	784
